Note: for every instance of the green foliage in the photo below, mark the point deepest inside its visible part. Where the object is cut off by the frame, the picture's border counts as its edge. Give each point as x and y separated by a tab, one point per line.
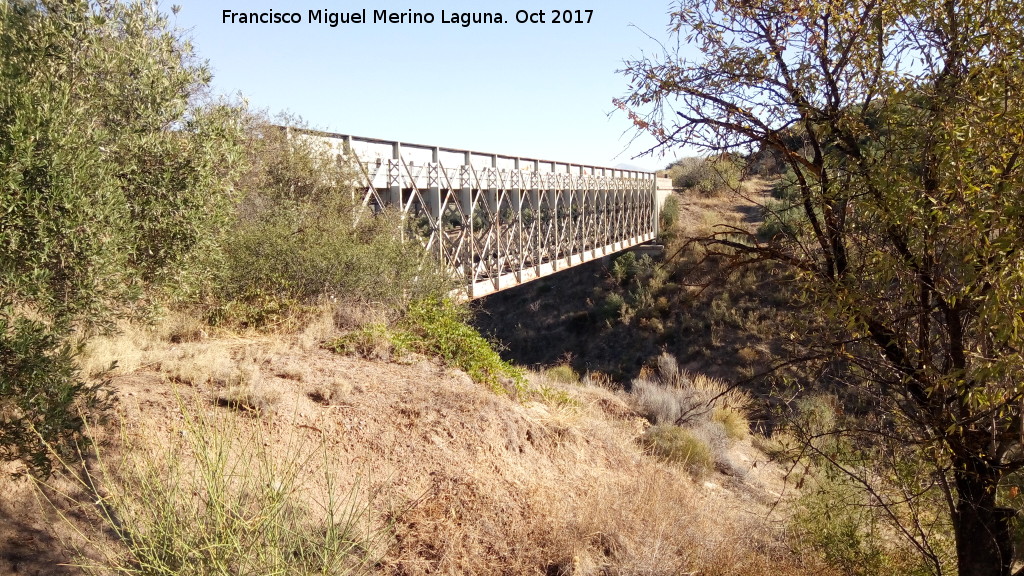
641	283
439	328
624	267
679	446
817	414
849	533
553	396
375	341
779	218
114	180
855	524
562	373
668	220
301	236
708	177
41	393
612	306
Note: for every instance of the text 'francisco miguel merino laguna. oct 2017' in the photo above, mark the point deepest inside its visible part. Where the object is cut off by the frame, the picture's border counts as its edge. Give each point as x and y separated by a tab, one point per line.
364	16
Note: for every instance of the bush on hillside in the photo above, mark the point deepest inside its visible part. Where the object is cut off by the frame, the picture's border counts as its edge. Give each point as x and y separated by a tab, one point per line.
668	220
439	328
840	522
679	446
562	373
733	422
695	418
42	395
670	395
301	236
708	177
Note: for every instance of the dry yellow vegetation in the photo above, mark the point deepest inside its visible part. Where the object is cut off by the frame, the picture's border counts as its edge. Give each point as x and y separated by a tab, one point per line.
446	476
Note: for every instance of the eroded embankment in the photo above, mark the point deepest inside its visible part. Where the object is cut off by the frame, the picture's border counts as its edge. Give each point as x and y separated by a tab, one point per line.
446	476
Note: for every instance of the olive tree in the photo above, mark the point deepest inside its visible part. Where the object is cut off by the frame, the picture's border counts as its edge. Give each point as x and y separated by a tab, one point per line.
113	183
908	118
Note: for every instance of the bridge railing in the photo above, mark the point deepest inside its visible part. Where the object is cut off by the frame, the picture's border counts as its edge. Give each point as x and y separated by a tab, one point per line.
495	220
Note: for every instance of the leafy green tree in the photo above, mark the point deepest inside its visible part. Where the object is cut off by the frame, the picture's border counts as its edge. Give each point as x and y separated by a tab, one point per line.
113	185
909	184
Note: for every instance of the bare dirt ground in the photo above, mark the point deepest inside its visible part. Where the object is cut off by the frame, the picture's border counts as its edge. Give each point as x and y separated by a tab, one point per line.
457	480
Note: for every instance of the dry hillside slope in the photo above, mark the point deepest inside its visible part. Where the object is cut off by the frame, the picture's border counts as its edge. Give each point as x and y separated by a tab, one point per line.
447	477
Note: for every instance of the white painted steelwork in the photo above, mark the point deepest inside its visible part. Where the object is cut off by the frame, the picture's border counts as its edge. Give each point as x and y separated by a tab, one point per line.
497	221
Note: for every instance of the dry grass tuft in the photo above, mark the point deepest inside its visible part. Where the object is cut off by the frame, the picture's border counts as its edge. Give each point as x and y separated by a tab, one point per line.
330	393
221	496
736	424
182	326
249	392
199	364
669	395
679	446
124	351
136	346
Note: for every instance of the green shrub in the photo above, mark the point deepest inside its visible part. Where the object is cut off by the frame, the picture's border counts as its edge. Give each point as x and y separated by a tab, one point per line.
668	220
779	217
301	236
624	267
612	306
669	216
627	268
785	186
563	374
679	446
708	177
114	183
375	341
42	395
553	396
835	519
816	414
439	327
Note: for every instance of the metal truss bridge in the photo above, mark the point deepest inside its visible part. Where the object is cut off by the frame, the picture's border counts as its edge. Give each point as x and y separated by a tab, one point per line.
497	221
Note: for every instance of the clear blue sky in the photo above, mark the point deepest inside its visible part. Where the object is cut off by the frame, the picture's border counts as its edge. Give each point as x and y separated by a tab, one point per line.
537	90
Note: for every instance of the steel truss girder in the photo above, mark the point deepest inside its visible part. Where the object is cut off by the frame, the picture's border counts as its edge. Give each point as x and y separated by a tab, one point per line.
498	221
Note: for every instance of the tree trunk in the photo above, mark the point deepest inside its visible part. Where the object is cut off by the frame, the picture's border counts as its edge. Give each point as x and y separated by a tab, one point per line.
984	546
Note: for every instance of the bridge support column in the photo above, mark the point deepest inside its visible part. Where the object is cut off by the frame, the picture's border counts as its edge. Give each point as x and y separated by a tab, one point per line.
515	197
538	220
395	177
433	201
493	258
469	234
